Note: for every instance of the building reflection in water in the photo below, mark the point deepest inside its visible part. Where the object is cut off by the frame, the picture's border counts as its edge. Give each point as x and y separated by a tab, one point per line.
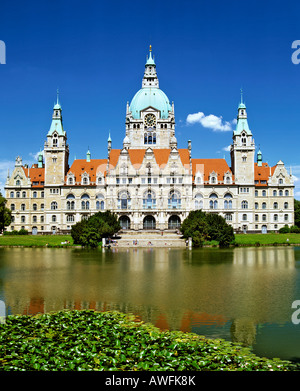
177	289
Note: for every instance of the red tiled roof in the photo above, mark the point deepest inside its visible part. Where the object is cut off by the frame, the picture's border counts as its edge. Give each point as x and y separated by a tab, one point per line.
80	166
262	173
207	166
36	175
136	157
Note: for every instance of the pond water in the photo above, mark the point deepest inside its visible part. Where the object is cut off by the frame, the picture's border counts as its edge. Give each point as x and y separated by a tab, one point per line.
242	294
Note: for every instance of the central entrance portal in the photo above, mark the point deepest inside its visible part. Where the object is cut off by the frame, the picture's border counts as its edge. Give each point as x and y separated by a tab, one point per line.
149	222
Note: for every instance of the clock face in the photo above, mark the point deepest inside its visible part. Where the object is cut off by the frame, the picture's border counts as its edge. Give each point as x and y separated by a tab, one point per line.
150	120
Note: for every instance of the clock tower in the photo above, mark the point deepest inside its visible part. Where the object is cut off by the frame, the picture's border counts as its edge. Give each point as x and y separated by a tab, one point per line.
150	119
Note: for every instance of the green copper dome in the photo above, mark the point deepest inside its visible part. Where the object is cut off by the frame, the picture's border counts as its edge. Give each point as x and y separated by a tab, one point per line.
149	96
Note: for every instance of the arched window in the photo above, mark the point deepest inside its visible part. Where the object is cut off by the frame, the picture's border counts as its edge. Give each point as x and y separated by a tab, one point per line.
53	205
264	205
280	181
274	193
124	200
85	203
280	193
199	200
174	199
18	182
70	181
275	205
154	138
244	217
53	219
100	202
228	201
213	201
286	205
276	217
70	205
286	193
12	207
85	180
23	206
264	193
23	194
34	206
55	140
12	194
149	200
244	204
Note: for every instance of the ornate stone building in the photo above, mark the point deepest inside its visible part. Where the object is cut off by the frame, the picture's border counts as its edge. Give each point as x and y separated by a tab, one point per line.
150	183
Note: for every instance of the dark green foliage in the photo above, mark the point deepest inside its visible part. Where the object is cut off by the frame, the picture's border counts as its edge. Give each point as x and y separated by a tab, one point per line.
284	230
15	232
90	232
111	341
202	226
5	214
297	212
294	229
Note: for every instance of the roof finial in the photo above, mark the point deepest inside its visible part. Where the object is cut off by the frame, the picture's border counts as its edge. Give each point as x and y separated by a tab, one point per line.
150	48
242	95
57	94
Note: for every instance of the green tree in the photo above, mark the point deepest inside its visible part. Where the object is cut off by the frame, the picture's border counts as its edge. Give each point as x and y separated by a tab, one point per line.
91	231
5	214
202	226
297	212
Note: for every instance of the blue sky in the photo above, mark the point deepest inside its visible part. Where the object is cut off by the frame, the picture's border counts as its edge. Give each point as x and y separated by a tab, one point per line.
95	51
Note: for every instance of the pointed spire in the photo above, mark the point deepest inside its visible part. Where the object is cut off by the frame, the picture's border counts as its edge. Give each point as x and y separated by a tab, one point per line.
57	106
242	103
109	139
150	77
259	157
88	155
150	60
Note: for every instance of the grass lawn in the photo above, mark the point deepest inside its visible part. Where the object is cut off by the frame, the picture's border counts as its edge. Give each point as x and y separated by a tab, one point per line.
270	238
35	240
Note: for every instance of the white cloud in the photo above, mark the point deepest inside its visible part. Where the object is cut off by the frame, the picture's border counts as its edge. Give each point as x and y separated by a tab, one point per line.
210	121
226	149
35	155
296	179
5	165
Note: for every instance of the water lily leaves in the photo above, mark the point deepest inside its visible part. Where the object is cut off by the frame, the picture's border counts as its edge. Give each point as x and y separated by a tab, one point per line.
112	341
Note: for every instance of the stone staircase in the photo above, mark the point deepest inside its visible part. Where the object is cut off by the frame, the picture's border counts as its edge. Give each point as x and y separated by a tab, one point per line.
151	238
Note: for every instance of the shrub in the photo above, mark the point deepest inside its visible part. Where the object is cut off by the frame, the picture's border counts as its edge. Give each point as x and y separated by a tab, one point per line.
294	229
284	230
202	226
90	232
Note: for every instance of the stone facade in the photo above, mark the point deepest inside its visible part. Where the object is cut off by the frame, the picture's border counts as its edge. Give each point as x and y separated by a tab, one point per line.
150	183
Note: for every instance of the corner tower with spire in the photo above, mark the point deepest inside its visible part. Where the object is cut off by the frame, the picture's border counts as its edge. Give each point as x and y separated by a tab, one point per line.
56	149
243	148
